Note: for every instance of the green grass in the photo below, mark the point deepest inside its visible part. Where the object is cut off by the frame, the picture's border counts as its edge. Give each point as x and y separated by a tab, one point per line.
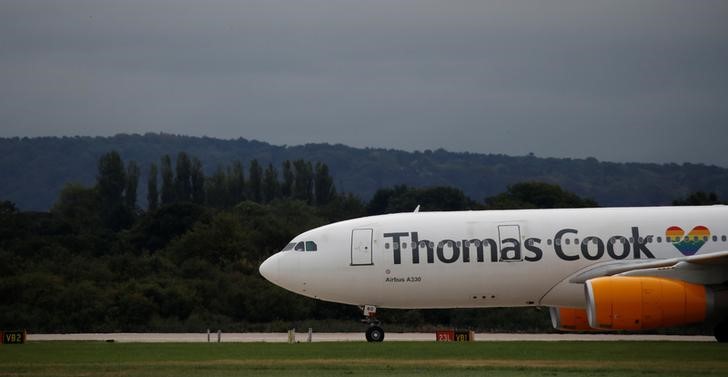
364	359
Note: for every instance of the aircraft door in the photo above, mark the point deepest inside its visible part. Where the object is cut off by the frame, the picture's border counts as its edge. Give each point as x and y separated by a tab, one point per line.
510	243
361	247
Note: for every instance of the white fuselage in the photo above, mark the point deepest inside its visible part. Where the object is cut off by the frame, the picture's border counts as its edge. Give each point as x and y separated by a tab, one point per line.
486	258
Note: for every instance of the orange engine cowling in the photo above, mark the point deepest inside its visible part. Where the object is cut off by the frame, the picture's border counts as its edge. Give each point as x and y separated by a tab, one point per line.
638	303
569	319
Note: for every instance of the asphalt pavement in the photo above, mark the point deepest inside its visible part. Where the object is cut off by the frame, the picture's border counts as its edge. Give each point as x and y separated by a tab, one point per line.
348	337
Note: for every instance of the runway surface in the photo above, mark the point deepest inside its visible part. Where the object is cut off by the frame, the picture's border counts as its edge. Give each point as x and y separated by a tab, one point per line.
350	337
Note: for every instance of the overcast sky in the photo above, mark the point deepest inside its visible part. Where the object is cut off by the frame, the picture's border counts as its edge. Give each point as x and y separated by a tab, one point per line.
617	80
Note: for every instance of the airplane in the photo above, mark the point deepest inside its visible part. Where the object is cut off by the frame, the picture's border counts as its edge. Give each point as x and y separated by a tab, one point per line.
630	268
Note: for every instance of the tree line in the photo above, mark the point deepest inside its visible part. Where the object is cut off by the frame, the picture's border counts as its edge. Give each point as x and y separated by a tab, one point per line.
185	181
99	262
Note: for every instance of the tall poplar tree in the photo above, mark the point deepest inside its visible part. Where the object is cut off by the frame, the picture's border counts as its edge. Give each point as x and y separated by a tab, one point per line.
110	185
111	180
197	181
323	185
217	192
182	180
152	191
236	182
271	189
255	181
288	179
303	181
132	182
167	180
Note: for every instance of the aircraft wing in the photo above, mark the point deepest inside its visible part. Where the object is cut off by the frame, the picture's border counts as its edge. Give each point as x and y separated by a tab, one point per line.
698	269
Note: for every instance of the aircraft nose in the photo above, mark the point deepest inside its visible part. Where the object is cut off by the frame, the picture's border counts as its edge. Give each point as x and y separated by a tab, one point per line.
270	269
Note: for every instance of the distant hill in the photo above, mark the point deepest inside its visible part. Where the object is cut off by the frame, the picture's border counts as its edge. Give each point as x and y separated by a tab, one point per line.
33	170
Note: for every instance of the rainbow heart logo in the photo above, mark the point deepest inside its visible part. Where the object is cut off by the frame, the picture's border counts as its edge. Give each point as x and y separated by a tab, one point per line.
687	244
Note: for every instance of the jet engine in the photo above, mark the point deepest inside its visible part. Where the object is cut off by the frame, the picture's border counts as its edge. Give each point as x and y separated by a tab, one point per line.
569	319
639	303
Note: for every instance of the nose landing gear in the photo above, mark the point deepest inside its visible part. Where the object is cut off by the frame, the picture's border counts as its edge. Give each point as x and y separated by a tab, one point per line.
374	333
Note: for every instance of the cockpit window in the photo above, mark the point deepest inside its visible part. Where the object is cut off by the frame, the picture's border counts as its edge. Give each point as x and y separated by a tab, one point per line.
301	246
289	246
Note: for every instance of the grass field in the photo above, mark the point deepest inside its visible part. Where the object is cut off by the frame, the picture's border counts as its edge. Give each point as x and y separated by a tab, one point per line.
365	359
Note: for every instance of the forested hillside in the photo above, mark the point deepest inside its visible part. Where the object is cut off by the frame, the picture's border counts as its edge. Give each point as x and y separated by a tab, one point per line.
35	169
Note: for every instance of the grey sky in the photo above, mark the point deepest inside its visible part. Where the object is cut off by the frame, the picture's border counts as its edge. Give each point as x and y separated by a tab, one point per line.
617	80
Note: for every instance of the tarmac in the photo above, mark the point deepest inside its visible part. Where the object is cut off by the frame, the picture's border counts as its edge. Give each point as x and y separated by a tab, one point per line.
347	337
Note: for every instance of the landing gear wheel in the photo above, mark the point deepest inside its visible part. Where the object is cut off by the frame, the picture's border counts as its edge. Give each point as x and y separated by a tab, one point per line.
721	332
375	334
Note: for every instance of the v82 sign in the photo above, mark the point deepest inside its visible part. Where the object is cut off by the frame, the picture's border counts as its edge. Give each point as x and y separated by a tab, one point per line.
12	337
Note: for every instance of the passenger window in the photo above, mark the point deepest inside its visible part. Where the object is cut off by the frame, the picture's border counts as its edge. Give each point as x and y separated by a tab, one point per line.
310	246
659	239
300	247
722	238
715	238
